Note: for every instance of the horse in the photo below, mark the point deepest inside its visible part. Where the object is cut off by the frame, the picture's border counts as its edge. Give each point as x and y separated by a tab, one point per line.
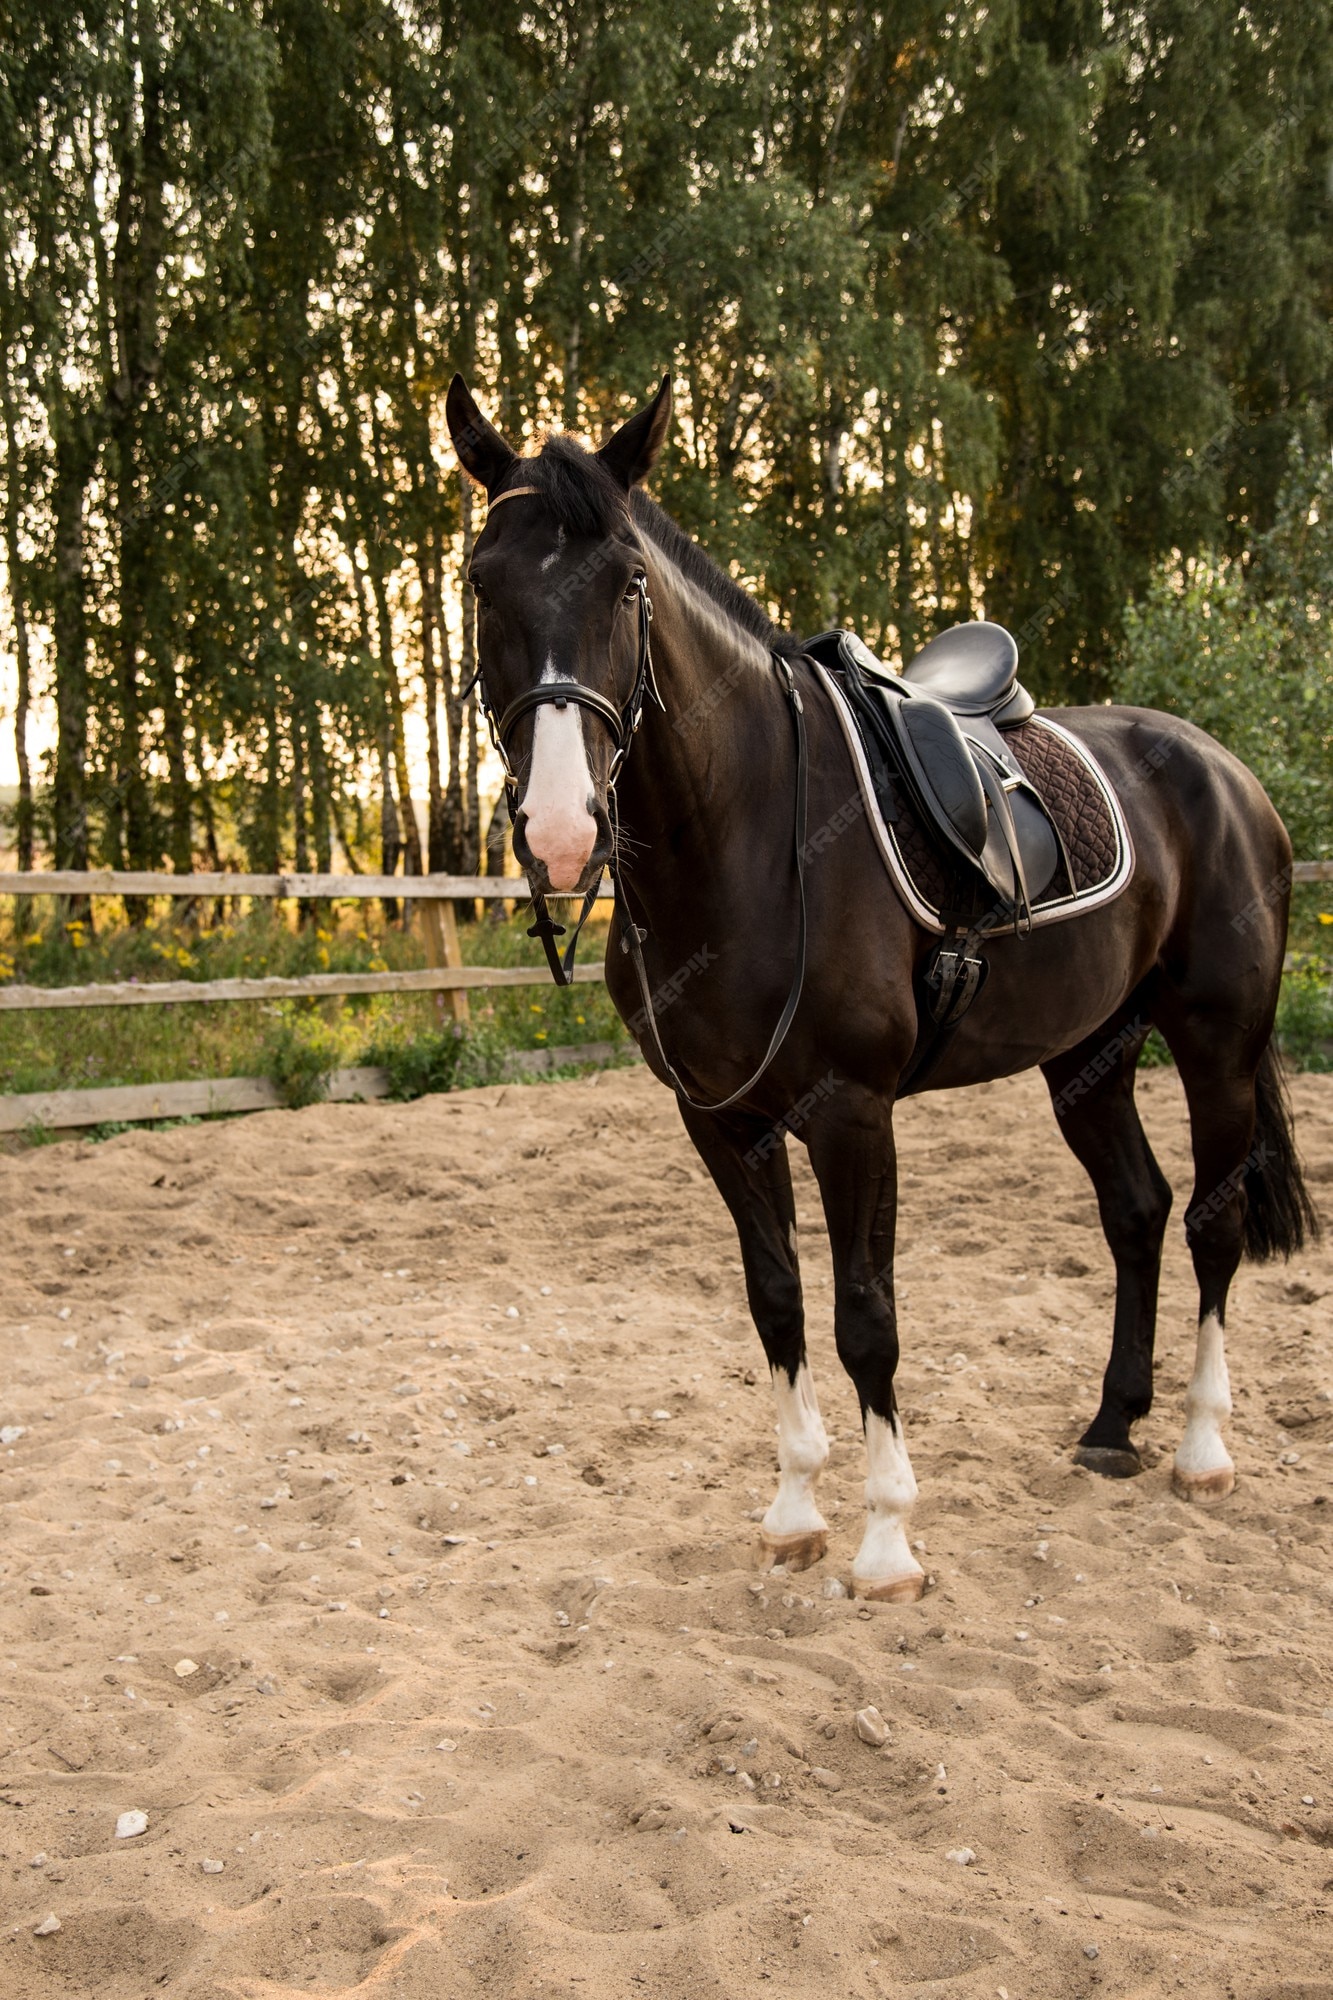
739	938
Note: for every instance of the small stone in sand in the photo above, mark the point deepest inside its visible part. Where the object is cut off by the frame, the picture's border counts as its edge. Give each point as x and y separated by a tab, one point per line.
47	1927
872	1728
446	1743
829	1780
834	1587
184	1668
131	1823
962	1855
38	1861
212	1867
1091	1951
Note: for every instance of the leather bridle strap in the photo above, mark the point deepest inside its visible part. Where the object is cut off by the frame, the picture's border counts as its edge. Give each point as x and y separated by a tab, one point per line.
631	936
559	694
510	493
622	723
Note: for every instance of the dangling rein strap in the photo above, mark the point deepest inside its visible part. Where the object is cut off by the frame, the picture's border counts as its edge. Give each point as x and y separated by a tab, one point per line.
631	939
548	930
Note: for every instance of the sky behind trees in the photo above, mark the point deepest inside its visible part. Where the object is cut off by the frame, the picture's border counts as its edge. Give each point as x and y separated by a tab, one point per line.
968	310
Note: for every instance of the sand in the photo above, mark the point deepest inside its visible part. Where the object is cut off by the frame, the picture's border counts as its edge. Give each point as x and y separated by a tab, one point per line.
382	1528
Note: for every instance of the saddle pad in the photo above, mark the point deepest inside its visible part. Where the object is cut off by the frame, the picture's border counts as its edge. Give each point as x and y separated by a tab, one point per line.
1074	790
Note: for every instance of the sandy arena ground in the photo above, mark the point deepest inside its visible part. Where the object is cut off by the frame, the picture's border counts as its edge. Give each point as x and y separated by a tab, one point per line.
380	1525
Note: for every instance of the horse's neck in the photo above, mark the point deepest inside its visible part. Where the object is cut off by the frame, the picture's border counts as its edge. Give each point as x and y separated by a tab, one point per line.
725	738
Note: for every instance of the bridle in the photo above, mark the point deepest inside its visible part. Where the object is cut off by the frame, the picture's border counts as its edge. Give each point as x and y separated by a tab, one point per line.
623	724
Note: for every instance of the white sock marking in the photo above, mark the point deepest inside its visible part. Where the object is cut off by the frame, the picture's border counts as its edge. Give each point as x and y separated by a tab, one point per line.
560	829
1207	1405
890	1496
802	1456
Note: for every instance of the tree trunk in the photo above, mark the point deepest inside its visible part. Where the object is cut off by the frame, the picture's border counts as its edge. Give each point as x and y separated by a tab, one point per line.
321	803
431	661
455	798
136	264
70	625
391	845
393	696
268	823
18	598
178	774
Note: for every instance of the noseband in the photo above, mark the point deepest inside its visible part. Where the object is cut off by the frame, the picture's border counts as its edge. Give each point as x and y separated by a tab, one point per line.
623	724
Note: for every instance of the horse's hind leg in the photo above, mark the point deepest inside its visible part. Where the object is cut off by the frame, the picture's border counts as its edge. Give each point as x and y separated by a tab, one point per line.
747	1158
1092	1094
1220	1090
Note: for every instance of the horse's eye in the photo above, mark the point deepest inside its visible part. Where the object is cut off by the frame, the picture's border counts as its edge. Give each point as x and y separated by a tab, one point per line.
478	592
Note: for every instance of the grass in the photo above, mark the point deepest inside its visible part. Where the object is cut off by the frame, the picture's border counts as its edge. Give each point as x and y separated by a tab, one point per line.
79	1048
298	1042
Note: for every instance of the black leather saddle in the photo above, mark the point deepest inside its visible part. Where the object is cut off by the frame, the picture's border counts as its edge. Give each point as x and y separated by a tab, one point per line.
935	729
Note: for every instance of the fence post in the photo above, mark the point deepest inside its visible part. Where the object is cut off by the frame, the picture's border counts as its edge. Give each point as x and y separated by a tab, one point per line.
439	929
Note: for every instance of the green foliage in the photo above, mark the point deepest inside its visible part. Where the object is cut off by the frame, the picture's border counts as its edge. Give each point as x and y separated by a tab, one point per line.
1305	1017
72	1048
300	1051
419	1063
981	306
1246	651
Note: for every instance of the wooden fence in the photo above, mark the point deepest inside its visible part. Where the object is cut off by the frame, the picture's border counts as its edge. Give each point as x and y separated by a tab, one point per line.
444	974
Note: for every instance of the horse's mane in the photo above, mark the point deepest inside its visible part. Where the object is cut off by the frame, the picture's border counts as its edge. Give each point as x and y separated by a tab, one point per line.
587	500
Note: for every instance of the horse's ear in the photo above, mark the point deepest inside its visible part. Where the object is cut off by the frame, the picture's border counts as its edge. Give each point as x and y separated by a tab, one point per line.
632	452
484	453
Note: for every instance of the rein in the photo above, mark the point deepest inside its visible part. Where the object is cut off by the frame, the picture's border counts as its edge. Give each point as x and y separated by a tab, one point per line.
623	723
632	935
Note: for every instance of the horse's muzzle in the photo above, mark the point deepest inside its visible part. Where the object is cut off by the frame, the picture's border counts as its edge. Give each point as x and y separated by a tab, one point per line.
564	855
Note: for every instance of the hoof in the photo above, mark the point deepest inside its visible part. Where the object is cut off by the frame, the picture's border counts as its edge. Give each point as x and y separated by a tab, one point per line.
1203	1485
1109	1463
891	1589
796	1551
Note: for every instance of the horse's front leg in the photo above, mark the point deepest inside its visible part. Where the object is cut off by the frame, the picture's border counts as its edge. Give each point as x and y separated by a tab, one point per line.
747	1158
852	1152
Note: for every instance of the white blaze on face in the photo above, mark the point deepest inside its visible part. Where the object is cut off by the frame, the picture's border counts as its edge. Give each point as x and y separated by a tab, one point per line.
1202	1453
558	822
884	1554
802	1456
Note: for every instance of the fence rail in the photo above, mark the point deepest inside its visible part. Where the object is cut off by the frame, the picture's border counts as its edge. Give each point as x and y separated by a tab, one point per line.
444	974
353	888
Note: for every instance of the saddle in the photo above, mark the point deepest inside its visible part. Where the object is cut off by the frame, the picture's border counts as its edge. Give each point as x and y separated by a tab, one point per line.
935	731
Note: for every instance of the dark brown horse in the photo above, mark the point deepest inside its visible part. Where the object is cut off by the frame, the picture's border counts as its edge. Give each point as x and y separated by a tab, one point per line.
705	811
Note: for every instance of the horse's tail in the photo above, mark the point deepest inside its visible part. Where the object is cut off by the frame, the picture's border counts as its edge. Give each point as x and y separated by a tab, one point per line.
1280	1217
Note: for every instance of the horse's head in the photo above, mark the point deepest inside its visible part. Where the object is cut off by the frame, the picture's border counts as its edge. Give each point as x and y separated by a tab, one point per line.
559	577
